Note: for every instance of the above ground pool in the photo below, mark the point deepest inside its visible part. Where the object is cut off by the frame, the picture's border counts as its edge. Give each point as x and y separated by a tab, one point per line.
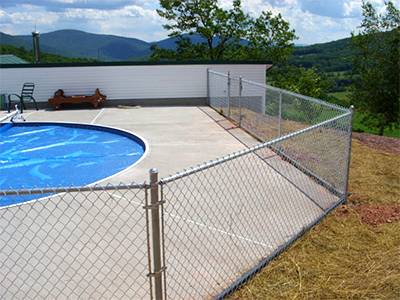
37	155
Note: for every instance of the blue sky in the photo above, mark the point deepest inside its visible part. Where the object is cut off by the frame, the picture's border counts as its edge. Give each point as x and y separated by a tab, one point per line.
314	20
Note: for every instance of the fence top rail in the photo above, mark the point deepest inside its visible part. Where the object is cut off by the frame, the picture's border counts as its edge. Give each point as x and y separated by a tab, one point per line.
311	99
48	190
218	73
218	161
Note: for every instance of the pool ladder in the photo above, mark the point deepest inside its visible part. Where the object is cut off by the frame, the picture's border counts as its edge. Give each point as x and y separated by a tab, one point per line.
17	117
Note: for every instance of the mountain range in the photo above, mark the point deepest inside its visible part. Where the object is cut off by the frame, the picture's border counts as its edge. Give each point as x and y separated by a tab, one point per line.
328	57
75	43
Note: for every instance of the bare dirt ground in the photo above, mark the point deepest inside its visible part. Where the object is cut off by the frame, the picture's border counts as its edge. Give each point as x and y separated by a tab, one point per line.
381	143
379	214
379	158
370	214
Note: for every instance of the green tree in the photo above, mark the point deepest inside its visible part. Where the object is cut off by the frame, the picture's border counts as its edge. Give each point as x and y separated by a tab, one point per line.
302	81
228	33
376	65
270	37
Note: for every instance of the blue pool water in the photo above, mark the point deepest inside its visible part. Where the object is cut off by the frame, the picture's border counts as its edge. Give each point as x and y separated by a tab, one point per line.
36	155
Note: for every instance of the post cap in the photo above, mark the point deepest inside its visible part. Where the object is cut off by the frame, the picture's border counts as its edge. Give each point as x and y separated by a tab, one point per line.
153	171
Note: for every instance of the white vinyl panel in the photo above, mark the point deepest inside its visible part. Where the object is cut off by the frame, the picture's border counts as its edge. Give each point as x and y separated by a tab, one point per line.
123	82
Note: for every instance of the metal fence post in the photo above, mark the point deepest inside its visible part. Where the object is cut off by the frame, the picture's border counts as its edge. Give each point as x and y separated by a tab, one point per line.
346	190
208	87
229	94
240	100
280	115
155	232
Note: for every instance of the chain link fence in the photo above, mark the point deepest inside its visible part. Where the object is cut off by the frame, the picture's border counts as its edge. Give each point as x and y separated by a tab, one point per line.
226	219
200	233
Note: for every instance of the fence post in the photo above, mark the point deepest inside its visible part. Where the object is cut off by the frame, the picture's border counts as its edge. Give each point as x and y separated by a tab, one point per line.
240	100
155	232
229	94
280	115
208	87
346	190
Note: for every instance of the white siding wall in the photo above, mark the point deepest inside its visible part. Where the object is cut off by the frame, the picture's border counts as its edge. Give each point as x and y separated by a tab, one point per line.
123	82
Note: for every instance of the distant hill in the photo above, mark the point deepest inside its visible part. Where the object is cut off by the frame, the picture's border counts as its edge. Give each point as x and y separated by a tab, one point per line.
333	56
75	43
28	56
170	43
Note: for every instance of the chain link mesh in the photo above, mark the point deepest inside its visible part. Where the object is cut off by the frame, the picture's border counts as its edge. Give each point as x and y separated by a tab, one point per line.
323	153
218	92
75	244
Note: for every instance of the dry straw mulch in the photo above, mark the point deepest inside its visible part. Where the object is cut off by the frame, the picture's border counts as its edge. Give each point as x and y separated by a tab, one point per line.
354	253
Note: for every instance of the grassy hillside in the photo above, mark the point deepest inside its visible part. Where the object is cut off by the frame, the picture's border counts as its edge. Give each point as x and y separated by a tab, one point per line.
334	56
45	57
354	252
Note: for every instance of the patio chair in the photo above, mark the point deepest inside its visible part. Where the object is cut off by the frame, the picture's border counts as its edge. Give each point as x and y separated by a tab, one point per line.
26	95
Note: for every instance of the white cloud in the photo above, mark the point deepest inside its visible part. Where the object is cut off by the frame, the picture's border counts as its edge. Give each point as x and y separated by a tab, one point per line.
132	20
4	17
352	7
313	25
313	20
31	14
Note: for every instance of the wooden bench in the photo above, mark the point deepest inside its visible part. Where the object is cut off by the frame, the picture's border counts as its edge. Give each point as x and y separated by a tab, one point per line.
59	98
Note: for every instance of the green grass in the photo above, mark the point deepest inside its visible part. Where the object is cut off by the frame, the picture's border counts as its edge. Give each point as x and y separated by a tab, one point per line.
361	124
342	96
338	75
